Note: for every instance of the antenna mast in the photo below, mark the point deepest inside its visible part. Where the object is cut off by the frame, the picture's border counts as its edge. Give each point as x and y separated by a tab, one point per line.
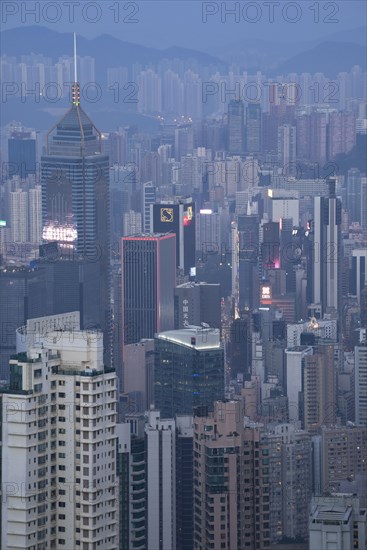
75	66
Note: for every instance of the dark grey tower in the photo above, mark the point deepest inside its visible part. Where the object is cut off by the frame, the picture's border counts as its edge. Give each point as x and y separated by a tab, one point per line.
75	205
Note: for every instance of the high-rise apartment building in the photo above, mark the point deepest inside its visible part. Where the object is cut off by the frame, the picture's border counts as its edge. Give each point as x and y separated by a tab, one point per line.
253	128
59	445
287	139
319	387
19	216
341	455
360	377
148	282
188	370
231	477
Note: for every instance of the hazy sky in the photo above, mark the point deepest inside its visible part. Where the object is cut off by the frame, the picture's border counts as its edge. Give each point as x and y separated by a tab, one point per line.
191	23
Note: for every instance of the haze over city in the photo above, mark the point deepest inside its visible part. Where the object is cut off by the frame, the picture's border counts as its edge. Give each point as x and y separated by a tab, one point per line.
183	282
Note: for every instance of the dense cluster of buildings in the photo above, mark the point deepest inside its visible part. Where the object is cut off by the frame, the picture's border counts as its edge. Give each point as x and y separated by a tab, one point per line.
183	353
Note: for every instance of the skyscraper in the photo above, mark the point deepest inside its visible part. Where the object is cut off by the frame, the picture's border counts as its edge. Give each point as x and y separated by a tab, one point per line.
197	303
236	127
253	128
148	282
179	218
326	258
75	200
189	370
22	153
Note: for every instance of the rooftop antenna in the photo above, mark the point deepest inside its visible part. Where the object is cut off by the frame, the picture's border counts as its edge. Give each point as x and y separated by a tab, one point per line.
75	89
75	66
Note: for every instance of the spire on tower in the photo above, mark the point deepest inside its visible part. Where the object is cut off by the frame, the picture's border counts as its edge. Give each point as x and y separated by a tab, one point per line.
75	89
75	65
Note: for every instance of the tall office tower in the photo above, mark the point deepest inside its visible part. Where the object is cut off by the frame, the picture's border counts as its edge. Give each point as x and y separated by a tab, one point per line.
342	133
184	482
22	153
290	252
360	376
340	455
184	140
122	188
337	522
188	370
238	352
253	128
160	436
148	282
270	246
248	258
226	453
22	296
197	303
138	375
295	364
75	201
319	387
149	197
287	139
19	216
59	464
177	218
35	214
132	223
326	258
354	195
208	232
236	127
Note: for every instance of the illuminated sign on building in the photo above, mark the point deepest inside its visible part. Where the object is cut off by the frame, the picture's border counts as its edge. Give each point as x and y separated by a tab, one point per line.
167	215
265	292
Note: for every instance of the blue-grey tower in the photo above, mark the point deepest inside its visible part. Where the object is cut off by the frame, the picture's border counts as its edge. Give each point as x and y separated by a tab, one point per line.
75	205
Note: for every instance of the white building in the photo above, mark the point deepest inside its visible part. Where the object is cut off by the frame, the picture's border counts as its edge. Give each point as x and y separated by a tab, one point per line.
19	216
58	462
132	223
360	377
337	522
294	369
35	214
161	487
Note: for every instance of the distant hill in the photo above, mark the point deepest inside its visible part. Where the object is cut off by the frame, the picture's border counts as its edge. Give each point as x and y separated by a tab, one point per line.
329	58
107	50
